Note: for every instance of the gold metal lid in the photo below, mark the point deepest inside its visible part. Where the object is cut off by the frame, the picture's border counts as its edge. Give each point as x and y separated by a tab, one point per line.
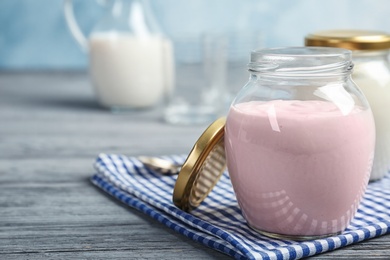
202	169
350	39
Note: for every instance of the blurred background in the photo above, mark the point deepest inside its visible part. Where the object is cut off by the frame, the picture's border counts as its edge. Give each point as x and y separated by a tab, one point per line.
34	35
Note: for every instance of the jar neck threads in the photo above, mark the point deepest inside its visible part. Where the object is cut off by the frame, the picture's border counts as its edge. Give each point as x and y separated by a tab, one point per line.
301	62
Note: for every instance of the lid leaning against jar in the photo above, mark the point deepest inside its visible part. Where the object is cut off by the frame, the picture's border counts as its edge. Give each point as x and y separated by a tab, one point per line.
202	169
350	39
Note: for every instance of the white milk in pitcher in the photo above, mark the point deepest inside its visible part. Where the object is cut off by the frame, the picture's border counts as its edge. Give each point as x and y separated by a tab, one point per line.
130	72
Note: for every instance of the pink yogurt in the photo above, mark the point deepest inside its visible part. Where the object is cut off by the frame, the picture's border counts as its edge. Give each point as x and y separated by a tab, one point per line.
298	168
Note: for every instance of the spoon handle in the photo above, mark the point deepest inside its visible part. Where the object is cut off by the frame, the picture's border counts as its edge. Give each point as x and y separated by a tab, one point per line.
161	166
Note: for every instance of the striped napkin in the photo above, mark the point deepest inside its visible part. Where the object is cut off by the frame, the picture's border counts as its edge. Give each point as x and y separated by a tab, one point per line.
218	223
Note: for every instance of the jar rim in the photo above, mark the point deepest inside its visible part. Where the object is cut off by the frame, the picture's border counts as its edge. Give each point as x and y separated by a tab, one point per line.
301	61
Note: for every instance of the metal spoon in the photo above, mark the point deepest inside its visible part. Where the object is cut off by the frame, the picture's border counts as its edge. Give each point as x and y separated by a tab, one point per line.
162	166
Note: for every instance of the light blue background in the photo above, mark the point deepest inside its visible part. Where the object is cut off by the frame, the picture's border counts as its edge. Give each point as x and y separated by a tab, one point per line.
34	35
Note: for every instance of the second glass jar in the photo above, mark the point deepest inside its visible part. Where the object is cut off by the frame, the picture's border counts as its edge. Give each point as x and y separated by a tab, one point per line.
370	51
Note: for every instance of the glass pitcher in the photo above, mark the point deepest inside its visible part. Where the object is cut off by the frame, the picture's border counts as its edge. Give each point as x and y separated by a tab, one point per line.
130	60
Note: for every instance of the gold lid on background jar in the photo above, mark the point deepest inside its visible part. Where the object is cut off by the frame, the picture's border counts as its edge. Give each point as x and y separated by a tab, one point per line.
202	169
350	39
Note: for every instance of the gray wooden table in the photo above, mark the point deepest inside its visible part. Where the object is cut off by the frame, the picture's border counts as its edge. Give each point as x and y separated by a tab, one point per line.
51	130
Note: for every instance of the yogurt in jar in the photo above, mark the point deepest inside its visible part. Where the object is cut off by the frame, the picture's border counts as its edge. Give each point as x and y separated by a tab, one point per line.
285	158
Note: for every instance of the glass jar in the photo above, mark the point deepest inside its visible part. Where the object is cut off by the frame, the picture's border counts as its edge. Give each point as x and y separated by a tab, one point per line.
299	141
372	75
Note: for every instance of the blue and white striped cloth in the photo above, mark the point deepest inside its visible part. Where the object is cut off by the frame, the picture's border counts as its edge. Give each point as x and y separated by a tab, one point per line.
217	222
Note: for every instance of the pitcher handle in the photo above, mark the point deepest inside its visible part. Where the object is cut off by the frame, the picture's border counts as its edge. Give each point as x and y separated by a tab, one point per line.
78	35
